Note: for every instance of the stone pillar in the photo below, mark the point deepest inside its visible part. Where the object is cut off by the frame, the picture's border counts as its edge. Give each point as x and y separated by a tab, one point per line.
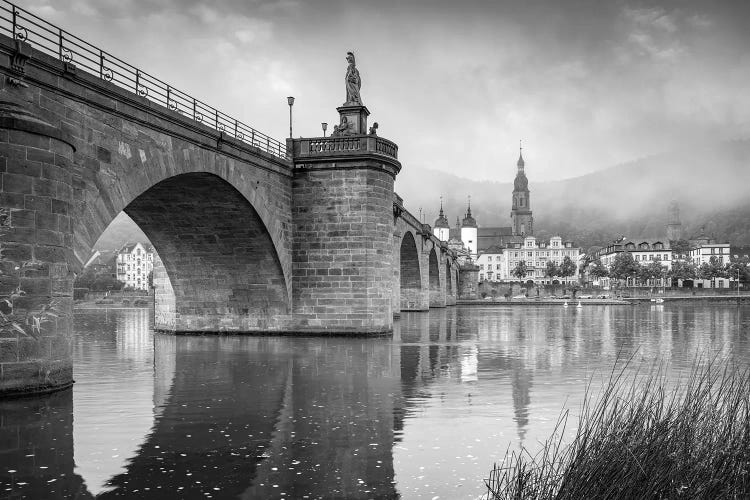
36	282
342	211
468	282
165	304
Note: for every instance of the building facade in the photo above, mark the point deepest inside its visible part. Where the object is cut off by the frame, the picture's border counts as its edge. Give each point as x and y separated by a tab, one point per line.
134	263
497	263
703	249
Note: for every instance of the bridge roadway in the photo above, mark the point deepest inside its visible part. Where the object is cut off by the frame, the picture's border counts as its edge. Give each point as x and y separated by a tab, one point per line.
309	240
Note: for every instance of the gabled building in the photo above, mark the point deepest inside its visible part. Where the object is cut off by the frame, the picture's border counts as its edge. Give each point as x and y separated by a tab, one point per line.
134	263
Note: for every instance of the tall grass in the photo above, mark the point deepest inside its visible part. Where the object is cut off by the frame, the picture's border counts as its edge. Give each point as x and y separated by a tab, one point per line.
643	438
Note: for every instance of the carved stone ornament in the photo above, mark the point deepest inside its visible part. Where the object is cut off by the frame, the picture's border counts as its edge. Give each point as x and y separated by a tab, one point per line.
343	128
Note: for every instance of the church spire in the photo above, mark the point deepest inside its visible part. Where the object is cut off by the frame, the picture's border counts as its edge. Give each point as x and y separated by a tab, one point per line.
468	210
520	163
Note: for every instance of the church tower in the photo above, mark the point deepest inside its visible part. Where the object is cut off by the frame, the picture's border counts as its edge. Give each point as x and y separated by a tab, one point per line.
520	213
469	232
441	229
674	225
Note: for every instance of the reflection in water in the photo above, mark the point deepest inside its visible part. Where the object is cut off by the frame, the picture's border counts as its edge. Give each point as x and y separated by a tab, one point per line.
421	415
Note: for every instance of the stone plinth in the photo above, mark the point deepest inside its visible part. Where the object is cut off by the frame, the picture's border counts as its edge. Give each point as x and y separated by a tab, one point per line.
342	214
36	284
356	117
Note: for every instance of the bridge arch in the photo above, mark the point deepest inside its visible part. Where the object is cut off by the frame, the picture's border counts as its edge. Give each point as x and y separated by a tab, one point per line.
410	274
436	293
223	267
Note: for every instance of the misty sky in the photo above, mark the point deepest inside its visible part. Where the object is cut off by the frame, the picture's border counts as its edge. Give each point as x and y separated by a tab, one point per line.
585	83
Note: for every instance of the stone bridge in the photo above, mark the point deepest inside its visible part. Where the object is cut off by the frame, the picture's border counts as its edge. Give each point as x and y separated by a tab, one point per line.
255	236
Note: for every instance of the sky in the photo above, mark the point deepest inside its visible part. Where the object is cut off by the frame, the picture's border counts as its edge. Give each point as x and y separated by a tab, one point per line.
585	84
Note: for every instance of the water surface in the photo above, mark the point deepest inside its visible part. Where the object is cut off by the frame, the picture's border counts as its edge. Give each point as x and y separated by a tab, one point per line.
421	415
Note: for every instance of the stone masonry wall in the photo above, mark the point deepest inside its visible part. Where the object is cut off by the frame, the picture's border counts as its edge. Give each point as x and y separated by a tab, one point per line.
36	285
341	273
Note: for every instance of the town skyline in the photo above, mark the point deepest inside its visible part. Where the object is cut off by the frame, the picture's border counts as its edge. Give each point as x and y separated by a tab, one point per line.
586	85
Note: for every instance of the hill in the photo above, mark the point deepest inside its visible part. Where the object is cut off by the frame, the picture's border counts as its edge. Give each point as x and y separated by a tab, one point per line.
709	182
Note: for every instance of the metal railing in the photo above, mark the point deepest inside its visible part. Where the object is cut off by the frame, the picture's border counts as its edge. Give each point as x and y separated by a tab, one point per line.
22	25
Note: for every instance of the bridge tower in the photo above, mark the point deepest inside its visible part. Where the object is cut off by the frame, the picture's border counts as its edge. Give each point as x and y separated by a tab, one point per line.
342	216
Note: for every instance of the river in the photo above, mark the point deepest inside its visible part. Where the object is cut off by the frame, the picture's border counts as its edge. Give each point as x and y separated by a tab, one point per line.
422	414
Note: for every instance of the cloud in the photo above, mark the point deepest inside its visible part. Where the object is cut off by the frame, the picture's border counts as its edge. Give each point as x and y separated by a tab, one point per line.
585	83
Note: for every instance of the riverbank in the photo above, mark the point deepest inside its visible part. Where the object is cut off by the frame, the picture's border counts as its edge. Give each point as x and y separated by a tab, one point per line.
542	302
699	299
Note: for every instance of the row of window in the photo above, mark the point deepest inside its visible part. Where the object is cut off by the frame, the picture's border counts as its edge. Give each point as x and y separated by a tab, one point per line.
657	256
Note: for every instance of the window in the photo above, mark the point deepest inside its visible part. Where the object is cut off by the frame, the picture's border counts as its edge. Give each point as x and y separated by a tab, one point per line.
637	257
489	258
529	254
498	267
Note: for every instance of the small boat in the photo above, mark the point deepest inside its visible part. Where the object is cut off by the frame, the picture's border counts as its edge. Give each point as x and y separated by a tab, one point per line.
565	304
659	300
579	304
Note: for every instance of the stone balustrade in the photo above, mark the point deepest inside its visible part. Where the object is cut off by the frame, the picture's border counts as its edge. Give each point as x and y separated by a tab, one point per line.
343	145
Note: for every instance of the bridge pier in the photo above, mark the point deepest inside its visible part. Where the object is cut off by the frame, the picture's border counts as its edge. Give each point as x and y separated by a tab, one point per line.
342	213
36	283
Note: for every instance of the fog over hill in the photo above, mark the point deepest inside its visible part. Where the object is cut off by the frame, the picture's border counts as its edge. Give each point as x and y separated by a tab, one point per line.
710	183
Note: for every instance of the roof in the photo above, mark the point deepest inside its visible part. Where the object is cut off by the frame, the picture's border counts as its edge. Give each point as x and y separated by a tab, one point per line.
488	237
129	247
494	249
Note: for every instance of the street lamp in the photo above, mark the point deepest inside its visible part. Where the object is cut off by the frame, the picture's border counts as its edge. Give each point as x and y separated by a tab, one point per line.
324	125
290	101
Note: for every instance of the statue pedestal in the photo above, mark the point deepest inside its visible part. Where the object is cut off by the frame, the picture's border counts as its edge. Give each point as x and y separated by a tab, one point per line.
356	115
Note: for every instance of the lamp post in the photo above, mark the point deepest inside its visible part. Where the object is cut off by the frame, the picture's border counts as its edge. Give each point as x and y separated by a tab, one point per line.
290	101
324	125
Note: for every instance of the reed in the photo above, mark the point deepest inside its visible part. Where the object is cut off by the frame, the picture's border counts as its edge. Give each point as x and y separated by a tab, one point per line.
644	437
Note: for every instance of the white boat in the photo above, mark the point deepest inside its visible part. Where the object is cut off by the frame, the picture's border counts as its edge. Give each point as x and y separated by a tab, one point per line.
565	304
579	304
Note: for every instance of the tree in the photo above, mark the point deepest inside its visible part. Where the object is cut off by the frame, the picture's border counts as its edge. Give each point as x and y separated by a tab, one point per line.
551	270
97	280
741	265
654	270
520	271
624	266
150	279
597	269
567	268
682	270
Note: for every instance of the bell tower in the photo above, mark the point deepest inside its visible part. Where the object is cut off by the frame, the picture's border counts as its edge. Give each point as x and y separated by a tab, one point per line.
520	213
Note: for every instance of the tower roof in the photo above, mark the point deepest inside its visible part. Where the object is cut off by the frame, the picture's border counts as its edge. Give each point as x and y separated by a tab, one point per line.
521	183
469	221
442	221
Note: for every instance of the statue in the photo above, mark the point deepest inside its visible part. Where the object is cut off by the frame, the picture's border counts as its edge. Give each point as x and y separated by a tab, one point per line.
353	82
343	128
374	129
